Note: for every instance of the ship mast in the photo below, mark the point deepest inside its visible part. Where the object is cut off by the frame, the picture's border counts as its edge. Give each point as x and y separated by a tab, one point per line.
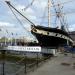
49	5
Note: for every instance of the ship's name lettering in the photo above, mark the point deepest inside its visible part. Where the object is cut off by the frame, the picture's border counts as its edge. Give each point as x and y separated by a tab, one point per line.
32	48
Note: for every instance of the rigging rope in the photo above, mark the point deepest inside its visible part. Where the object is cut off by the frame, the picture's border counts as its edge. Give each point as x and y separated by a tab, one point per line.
57	12
17	18
5	31
29	5
62	20
64	2
8	3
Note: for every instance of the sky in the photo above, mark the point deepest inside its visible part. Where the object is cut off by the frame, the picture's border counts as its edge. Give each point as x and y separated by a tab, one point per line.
9	24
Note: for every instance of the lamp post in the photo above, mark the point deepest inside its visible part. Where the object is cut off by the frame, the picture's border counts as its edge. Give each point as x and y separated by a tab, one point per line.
11	38
5	40
15	40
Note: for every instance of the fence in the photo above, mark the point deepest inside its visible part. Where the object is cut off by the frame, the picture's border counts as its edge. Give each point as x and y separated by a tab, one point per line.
20	64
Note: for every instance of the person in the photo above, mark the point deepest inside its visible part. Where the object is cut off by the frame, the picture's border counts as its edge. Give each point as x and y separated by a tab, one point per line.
73	50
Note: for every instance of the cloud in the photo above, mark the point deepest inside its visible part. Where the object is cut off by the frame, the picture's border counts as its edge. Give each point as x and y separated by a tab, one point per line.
32	13
29	13
20	7
17	32
39	6
6	24
71	27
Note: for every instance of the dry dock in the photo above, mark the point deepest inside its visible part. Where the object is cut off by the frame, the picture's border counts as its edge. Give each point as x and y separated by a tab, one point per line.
55	66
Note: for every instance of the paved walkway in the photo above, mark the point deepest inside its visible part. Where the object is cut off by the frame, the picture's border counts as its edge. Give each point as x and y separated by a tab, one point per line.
54	67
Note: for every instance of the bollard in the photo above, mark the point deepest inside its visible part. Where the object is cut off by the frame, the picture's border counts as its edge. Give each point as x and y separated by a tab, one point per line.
37	59
25	64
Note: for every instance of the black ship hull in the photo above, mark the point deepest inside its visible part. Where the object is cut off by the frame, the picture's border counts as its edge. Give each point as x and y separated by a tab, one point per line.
51	37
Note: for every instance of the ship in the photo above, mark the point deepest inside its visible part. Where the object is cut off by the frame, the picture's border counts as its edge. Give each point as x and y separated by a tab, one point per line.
48	36
52	37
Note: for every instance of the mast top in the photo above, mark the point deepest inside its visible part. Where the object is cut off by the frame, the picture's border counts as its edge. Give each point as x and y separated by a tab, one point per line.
49	5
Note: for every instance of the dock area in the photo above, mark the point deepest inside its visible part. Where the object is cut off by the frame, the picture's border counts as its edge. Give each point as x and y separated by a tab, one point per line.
60	65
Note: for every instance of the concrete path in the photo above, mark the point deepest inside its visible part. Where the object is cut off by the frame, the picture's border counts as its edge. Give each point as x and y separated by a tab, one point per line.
54	67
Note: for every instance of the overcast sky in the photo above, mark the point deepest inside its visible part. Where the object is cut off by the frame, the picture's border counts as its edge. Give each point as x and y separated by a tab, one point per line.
8	22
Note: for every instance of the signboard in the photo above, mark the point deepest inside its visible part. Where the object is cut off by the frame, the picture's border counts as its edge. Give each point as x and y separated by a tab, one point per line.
24	48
